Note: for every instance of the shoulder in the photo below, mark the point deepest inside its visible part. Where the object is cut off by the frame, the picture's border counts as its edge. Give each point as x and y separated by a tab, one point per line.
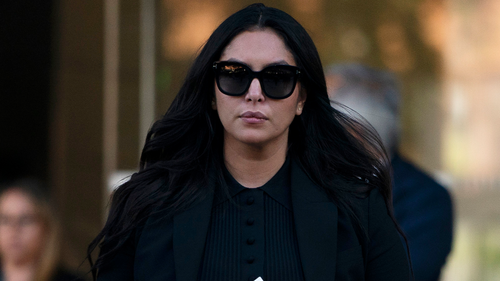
377	230
416	191
371	209
385	256
408	176
380	248
63	274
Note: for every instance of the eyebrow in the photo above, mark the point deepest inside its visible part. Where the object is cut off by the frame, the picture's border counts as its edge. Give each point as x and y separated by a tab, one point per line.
280	62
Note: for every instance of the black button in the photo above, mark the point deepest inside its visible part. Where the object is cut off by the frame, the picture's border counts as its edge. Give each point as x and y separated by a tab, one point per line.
250	221
250	259
250	200
250	241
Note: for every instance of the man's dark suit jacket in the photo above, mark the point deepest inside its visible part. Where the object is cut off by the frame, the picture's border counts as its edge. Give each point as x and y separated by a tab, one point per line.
330	249
423	209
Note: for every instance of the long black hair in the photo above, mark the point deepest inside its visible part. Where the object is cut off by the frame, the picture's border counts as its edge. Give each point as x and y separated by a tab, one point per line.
183	150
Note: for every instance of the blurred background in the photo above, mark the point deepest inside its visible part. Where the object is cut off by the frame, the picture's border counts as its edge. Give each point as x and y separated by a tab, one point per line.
82	81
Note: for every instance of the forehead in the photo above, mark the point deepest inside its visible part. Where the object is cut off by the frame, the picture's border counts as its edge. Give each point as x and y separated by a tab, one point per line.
258	48
16	202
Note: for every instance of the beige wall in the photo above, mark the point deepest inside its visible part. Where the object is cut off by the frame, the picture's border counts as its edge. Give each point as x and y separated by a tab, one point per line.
94	116
76	136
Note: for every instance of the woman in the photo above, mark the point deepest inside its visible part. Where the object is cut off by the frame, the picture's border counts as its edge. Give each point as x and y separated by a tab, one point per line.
29	235
251	173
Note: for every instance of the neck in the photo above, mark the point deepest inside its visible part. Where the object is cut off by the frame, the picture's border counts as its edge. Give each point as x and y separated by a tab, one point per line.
253	166
15	271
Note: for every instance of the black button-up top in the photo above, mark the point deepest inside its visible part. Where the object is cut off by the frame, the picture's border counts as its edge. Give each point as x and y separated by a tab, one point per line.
252	234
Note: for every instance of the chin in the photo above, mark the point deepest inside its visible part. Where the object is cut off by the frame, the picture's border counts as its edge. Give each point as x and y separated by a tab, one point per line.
254	141
256	138
258	141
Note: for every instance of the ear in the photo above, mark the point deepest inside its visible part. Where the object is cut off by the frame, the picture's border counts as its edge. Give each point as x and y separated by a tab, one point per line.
301	102
214	104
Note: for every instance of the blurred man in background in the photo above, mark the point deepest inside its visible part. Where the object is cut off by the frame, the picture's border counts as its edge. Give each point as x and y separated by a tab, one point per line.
422	207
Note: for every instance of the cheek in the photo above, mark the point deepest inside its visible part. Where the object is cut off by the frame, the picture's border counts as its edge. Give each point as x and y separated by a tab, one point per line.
225	105
286	113
3	237
34	235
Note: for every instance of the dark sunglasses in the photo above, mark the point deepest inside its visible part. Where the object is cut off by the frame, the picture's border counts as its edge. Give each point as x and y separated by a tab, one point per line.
277	81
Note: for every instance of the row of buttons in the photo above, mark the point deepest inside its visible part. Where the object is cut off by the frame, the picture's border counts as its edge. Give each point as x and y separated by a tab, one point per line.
250	221
251	240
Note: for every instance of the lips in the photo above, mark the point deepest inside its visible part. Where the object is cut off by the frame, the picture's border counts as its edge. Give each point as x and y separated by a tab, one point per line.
253	117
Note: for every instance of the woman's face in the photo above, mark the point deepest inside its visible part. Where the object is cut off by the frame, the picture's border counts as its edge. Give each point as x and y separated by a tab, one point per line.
253	118
21	231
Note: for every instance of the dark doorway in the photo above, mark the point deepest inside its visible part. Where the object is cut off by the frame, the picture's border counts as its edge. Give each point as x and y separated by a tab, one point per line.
25	86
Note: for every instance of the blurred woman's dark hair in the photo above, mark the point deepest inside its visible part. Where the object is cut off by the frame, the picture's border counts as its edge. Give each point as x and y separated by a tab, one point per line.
183	150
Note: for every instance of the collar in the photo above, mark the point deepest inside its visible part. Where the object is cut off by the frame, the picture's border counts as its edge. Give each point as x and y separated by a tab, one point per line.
278	187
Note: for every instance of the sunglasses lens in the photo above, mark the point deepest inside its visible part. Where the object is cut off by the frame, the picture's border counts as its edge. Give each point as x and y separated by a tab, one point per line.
233	79
279	81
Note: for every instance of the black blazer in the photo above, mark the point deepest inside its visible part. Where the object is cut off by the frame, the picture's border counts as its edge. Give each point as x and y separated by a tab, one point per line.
330	249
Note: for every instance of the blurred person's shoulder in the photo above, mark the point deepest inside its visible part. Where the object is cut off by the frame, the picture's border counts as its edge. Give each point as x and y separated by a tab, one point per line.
63	274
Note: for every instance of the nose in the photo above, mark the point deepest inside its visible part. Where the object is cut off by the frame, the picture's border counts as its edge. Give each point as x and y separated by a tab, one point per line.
255	92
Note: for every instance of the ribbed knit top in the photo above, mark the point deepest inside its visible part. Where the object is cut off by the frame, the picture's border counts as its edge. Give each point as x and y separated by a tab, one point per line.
252	234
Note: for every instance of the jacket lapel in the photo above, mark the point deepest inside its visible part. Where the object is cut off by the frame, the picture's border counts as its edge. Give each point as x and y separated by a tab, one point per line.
316	227
190	231
315	224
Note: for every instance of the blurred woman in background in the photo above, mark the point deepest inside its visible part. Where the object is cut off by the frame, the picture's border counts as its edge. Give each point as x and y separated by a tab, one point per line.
29	235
